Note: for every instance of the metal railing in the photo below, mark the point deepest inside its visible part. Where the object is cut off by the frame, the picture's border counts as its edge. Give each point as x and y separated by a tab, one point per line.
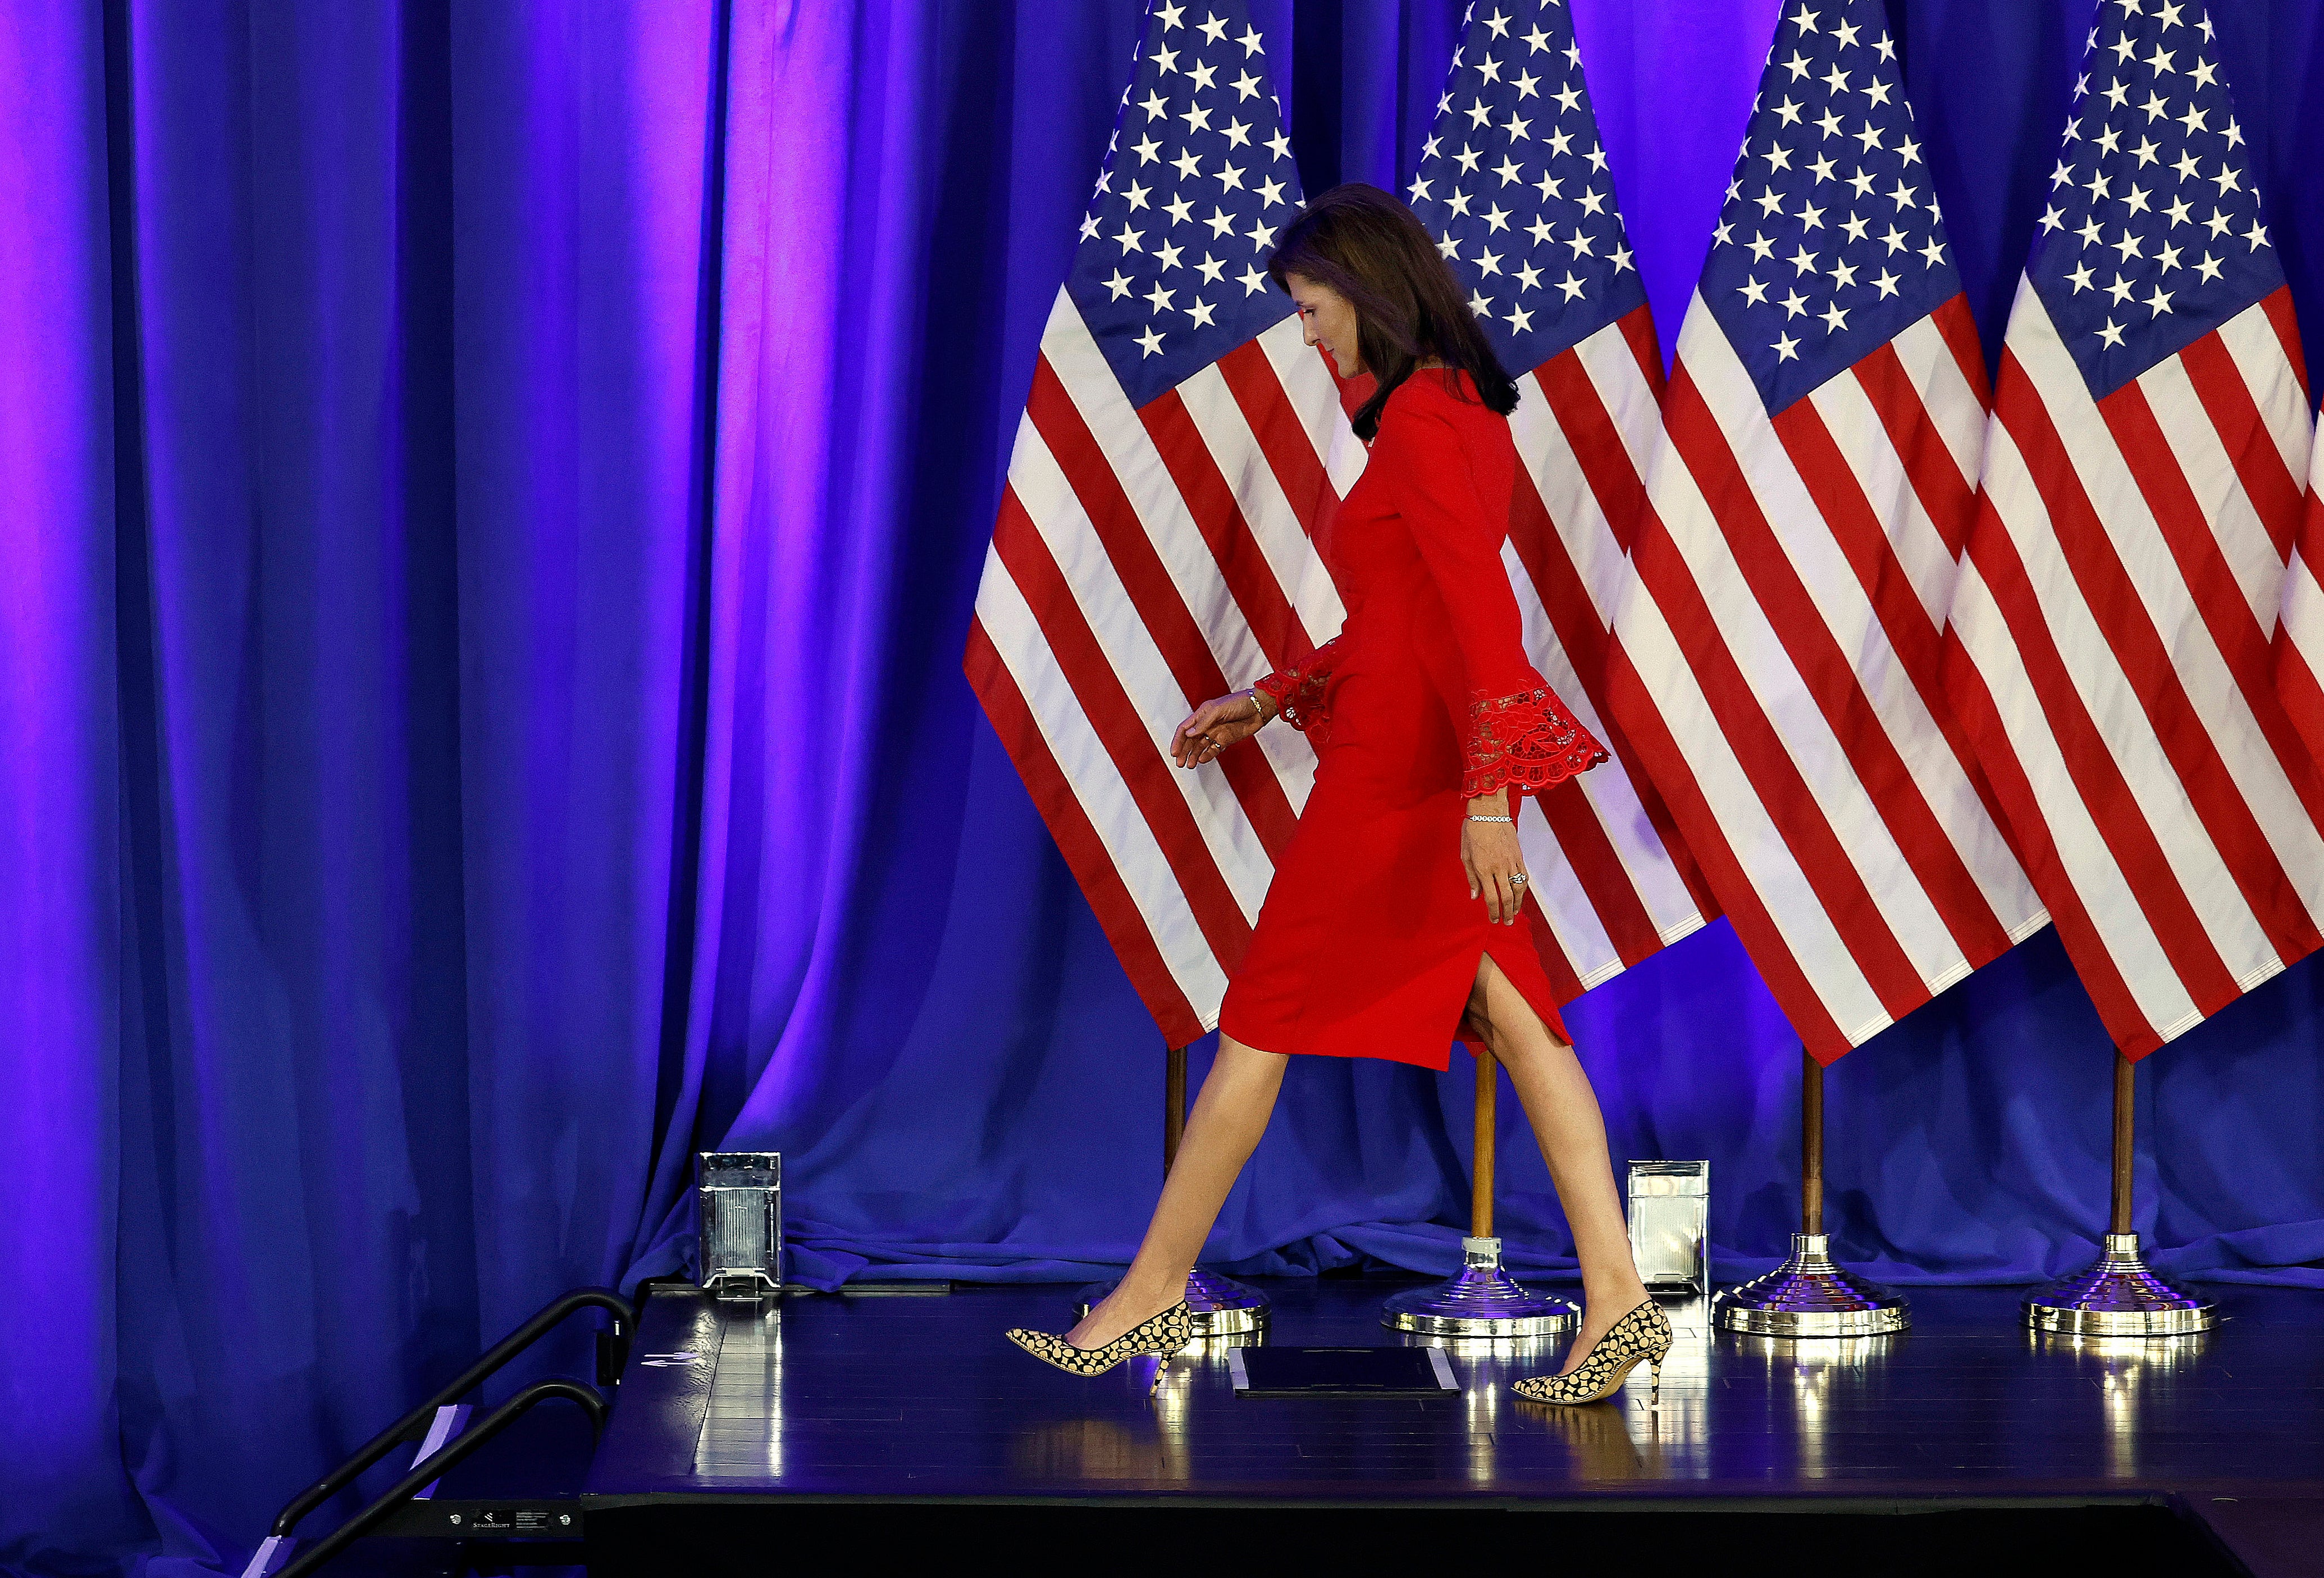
453	1451
413	1426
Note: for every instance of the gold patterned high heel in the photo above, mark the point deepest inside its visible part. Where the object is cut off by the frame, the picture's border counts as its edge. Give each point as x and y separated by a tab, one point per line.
1164	1335
1643	1333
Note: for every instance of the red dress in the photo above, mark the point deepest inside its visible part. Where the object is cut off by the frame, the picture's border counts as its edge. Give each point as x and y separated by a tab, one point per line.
1369	941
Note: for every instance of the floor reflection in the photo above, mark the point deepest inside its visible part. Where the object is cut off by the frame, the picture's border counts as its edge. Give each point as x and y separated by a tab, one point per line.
742	1428
1620	1439
1602	1440
1100	1449
1485	1367
1201	1366
1681	1427
1822	1379
1607	1445
1155	1447
2136	1377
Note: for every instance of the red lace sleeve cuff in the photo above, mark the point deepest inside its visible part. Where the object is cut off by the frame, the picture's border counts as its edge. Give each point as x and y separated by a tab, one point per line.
1527	741
1298	698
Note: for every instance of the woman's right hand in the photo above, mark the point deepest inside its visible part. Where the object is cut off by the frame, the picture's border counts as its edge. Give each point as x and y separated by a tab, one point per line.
1215	725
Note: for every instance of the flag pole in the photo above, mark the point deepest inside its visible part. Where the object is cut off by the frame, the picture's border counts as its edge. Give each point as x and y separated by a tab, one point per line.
1480	1300
1174	1106
1481	1170
2117	1295
1222	1307
1811	1145
1808	1295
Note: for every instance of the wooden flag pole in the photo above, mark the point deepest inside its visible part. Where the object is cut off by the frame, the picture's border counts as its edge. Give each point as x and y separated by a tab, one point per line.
1808	1295
1480	1175
1811	1143
1174	1106
2118	1294
1482	1299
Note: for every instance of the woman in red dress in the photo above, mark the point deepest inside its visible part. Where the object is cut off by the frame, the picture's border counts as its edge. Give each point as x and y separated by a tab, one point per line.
1393	922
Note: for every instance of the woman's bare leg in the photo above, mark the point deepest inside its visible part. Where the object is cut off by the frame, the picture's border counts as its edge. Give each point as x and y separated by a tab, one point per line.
1572	1132
1229	1117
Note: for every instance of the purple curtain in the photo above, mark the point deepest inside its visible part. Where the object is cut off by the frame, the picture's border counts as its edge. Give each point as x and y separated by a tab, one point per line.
491	497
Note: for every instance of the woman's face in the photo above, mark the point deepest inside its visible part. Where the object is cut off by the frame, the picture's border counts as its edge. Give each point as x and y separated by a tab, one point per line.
1327	319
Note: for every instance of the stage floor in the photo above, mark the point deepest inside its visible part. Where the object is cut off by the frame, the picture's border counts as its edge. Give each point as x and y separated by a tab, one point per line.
901	1395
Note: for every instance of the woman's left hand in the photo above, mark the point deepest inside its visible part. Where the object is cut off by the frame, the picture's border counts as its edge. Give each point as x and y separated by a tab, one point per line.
1216	724
1495	862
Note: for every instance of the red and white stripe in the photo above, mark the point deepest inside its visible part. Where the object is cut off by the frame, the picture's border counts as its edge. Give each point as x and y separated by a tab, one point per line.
1778	671
1616	885
2111	651
1146	559
2300	637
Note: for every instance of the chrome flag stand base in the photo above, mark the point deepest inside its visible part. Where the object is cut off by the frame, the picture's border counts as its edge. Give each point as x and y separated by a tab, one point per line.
1479	1300
1222	1307
2118	1297
1809	1296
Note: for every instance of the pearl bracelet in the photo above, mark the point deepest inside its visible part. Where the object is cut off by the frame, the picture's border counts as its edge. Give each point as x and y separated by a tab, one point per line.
1488	818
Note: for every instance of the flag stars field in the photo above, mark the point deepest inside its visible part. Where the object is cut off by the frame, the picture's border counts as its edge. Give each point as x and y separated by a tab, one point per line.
1516	153
1207	169
2153	172
1830	156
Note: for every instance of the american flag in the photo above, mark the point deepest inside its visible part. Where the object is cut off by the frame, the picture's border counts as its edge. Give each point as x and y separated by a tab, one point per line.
2299	636
2110	649
1778	666
1513	184
1179	446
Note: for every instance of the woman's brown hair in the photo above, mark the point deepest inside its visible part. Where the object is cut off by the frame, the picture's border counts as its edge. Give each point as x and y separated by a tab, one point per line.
1373	250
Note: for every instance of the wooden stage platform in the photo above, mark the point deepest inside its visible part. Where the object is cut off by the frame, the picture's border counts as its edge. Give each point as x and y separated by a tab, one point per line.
1964	1439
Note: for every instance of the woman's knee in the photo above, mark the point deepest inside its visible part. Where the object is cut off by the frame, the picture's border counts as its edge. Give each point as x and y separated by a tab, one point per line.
1490	995
1477	1011
1511	1026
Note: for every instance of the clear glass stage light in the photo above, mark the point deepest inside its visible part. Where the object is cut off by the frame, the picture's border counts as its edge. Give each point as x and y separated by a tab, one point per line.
1669	1225
738	1198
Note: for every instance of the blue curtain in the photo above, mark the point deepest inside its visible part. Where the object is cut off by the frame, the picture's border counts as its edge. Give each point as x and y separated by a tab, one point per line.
490	498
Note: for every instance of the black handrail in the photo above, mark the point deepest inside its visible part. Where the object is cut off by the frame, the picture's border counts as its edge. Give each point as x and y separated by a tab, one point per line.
412	1425
427	1471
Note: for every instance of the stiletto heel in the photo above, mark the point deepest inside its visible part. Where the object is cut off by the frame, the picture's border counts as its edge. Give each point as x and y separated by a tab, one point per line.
1165	1334
1164	1368
1643	1333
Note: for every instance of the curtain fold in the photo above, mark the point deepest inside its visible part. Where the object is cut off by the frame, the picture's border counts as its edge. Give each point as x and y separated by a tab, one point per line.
490	498
293	1103
61	814
584	150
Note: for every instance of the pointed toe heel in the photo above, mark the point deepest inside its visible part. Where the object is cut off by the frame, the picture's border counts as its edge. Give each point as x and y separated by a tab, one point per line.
1164	1335
1643	1335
